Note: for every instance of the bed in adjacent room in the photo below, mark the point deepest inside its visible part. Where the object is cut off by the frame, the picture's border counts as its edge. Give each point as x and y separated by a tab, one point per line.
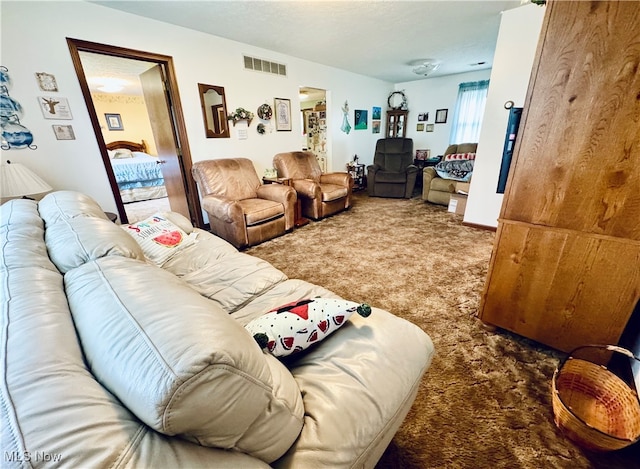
138	174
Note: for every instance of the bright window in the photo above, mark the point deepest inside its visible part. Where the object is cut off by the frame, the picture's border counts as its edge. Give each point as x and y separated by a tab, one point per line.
467	116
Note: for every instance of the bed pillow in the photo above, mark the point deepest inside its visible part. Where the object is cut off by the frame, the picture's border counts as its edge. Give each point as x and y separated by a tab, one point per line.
296	326
159	238
121	153
141	153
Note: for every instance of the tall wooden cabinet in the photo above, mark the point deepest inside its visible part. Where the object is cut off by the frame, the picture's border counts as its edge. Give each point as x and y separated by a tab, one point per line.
565	268
397	123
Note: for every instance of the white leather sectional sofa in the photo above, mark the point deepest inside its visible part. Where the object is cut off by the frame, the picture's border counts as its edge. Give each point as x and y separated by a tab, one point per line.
109	360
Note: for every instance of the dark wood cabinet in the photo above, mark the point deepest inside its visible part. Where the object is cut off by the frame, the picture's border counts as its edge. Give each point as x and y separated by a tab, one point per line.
565	268
397	123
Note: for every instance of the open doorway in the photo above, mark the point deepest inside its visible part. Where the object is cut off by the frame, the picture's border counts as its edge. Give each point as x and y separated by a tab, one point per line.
313	109
139	129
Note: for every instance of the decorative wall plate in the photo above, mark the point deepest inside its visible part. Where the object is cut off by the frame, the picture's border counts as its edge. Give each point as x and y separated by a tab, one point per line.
265	112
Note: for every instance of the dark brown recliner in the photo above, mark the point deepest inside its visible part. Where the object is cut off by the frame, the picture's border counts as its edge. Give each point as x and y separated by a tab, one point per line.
321	194
241	209
392	173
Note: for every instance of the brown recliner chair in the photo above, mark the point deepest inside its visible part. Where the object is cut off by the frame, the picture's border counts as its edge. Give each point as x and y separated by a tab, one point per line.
241	209
321	194
438	190
392	173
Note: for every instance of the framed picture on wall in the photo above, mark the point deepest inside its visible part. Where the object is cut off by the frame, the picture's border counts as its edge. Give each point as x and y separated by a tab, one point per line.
360	117
429	127
54	107
114	121
283	113
441	116
64	132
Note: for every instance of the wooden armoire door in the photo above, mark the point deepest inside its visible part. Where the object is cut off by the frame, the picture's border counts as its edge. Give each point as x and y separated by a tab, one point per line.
565	268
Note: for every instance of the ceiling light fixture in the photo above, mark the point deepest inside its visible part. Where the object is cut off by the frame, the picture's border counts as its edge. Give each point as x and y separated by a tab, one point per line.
109	85
425	67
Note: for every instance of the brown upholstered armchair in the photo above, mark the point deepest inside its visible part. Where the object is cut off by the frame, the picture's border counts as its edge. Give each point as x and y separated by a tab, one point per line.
438	190
321	194
392	173
241	209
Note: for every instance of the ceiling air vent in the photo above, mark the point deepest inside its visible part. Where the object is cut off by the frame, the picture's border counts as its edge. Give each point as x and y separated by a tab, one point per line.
262	65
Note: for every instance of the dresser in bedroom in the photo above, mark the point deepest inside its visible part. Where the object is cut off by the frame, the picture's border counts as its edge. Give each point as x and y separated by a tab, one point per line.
565	268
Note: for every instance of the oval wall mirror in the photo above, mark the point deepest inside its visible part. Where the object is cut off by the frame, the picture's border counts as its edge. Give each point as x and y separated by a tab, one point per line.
214	111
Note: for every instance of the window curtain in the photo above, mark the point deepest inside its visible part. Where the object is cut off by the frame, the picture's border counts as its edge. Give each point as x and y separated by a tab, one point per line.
468	113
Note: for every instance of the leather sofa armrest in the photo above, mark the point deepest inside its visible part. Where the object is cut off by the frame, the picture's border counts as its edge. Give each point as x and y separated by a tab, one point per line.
286	195
338	178
307	187
223	209
411	169
428	174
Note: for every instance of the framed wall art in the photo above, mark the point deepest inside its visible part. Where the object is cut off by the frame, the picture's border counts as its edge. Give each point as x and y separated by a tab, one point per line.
283	113
53	107
114	121
63	132
361	118
441	116
46	82
429	127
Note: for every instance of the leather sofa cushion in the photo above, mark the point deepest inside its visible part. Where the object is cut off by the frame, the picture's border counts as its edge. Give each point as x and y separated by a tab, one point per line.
231	178
75	241
298	165
225	276
342	376
77	231
333	192
179	362
64	205
260	210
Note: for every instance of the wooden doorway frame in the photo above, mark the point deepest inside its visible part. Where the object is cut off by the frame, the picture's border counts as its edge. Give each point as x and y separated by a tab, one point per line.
191	191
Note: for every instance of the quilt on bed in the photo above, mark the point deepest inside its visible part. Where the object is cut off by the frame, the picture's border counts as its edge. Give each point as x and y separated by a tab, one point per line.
142	170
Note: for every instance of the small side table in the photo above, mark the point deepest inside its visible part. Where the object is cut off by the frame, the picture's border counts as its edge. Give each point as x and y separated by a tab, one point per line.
299	219
357	173
421	164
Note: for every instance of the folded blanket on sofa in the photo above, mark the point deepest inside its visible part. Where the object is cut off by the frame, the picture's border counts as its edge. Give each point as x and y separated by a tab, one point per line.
457	167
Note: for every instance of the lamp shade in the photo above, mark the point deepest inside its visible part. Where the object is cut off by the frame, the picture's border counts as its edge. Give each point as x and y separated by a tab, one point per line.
17	180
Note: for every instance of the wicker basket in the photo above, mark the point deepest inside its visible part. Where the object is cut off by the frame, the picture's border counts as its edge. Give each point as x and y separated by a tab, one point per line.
592	405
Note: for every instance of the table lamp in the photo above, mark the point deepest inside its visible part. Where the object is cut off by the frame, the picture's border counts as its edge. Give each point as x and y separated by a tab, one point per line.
17	180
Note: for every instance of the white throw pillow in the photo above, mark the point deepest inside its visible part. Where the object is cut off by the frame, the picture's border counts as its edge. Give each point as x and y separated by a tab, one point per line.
297	326
159	238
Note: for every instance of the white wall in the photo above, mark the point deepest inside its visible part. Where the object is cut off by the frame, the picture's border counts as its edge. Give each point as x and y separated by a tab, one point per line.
34	40
430	94
512	63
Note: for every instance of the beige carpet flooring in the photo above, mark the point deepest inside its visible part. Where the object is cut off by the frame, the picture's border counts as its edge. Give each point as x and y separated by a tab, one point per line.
485	402
137	211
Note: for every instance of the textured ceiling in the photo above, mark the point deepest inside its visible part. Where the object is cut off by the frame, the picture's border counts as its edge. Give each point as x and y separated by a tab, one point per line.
373	38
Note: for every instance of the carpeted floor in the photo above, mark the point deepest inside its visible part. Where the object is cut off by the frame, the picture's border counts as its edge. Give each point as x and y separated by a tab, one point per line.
137	211
485	402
